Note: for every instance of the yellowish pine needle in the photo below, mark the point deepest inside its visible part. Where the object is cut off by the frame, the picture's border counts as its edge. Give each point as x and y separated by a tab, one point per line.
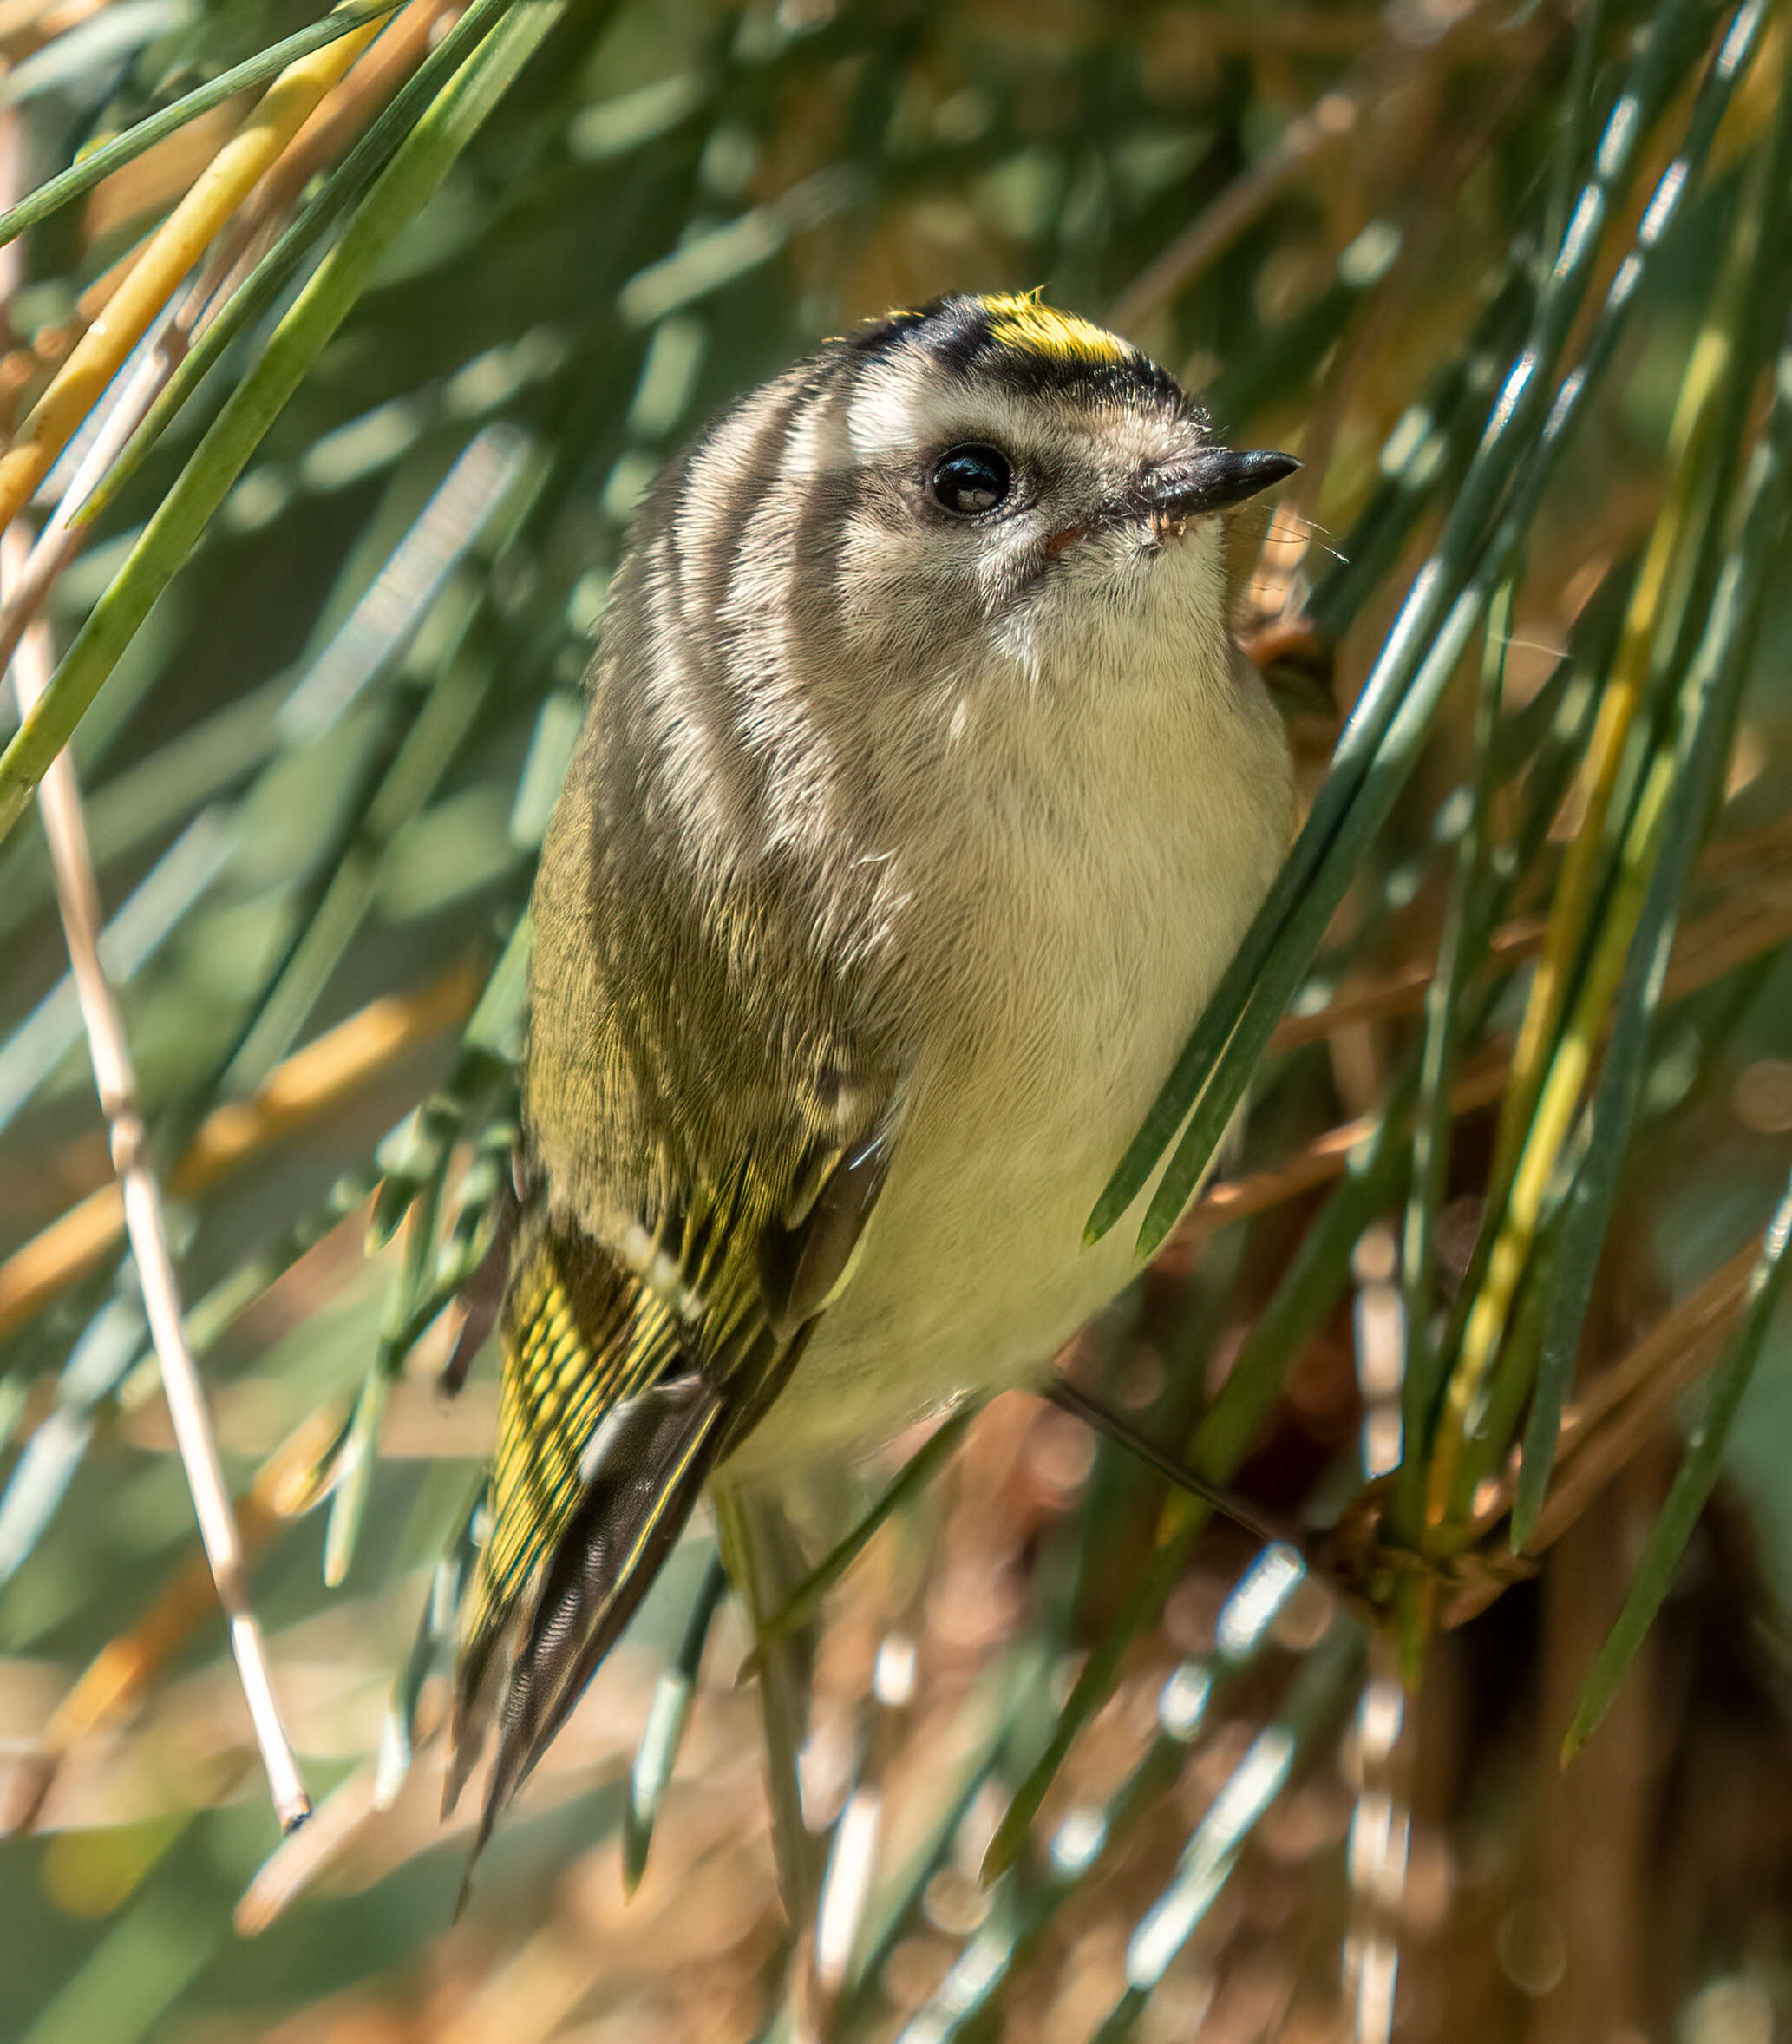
167	256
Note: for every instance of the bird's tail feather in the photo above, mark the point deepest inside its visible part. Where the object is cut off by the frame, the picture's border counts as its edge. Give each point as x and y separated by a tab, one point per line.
645	1470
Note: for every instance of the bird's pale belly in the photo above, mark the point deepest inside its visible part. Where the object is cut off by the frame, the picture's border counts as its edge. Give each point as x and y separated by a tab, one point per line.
973	1272
1087	945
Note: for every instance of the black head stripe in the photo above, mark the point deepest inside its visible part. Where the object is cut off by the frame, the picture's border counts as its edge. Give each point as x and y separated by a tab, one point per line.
1022	345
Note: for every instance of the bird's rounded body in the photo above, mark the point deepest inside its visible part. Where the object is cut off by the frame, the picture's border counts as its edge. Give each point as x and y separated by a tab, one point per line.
922	802
1099	875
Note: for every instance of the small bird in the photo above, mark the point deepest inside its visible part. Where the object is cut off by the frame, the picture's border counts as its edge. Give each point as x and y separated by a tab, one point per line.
922	799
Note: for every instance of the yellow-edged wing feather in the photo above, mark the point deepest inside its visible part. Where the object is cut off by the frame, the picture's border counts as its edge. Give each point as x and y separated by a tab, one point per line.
630	1368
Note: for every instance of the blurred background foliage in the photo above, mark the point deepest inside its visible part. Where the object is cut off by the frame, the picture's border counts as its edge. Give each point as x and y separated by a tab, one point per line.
1512	279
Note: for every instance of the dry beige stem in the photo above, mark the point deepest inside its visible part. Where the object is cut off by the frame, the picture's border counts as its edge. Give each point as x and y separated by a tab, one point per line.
77	896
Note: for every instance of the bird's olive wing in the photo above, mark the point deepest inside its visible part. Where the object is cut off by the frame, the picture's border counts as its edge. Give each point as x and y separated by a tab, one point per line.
631	1366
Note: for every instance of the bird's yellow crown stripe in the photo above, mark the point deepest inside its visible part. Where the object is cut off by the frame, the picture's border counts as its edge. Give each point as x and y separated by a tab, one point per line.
1018	320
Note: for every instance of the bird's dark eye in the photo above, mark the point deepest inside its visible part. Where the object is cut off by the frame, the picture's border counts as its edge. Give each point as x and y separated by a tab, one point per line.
968	480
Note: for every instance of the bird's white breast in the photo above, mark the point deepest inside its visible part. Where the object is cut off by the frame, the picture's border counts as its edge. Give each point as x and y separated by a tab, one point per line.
1087	871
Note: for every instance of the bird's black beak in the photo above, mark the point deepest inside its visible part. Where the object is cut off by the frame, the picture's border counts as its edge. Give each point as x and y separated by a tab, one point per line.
1212	479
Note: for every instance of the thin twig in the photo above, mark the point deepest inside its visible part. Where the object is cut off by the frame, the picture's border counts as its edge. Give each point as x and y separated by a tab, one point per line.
296	1863
115	1080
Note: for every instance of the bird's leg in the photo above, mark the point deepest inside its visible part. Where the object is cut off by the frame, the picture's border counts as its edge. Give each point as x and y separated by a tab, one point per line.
1069	1398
